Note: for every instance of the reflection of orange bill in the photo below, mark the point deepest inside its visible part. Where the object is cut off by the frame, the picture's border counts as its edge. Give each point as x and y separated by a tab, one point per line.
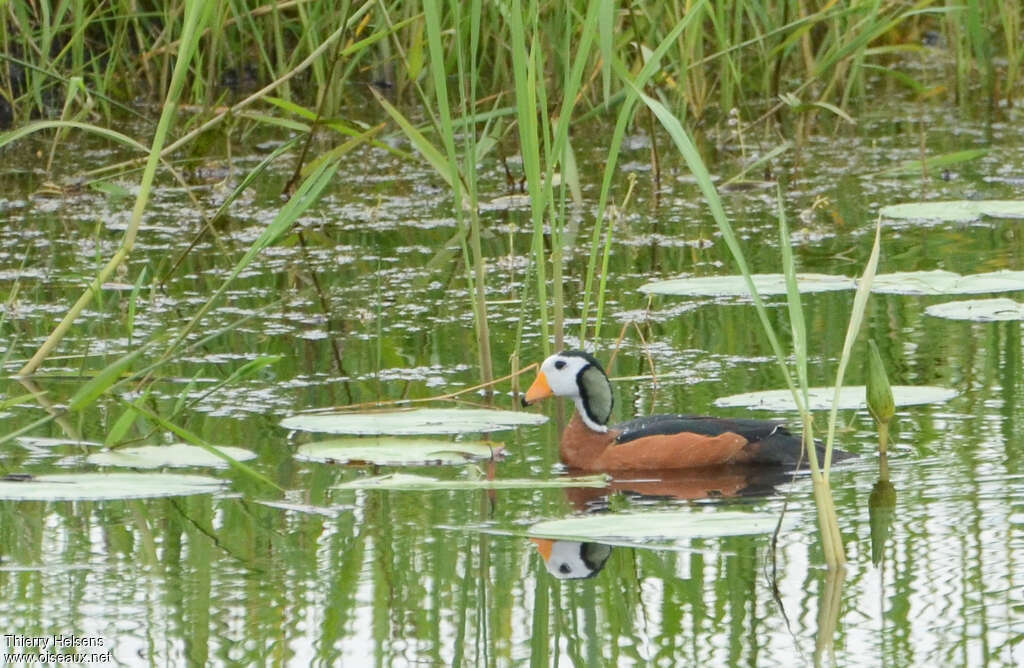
544	547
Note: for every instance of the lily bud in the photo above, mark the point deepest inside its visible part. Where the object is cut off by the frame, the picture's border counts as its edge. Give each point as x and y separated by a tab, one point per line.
879	394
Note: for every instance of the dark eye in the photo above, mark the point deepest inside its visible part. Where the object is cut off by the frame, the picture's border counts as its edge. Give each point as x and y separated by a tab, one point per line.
560	364
564	568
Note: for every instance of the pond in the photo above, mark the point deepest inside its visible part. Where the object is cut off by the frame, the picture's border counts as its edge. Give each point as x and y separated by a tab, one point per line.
368	304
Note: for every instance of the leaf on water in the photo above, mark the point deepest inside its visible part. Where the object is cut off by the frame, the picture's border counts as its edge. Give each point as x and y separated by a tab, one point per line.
961	211
939	282
413	421
45	442
397	451
506	202
947	283
407	481
851	397
736	286
308	509
916	167
642	528
935	282
980	310
106	486
159	456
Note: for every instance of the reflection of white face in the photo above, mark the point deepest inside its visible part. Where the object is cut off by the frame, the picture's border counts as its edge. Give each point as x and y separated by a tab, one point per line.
561	372
566	562
572	560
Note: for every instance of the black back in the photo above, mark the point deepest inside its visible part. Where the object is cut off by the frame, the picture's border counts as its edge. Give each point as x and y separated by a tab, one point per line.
771	443
752	430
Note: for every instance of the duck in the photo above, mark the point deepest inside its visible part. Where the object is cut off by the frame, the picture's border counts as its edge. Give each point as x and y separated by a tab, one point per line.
656	442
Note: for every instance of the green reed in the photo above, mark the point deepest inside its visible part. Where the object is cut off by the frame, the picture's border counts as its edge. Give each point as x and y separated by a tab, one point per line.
458	171
731	54
828	522
474	67
544	141
130	368
193	22
468	75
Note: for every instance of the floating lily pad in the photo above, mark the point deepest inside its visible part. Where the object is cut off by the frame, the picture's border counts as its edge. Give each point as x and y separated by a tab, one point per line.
308	509
980	310
413	421
643	528
736	286
851	397
106	486
158	456
44	442
960	211
406	481
397	451
517	201
939	282
935	282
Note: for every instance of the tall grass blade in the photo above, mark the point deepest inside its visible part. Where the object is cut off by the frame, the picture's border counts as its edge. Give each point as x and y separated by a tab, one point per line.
651	66
703	178
197	440
102	381
798	327
37	126
860	301
525	79
194	16
305	196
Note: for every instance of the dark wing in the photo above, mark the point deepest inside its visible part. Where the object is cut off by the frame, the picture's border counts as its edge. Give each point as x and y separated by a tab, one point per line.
752	430
769	443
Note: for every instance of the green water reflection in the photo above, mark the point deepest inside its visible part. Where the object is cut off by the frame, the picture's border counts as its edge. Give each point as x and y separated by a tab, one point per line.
447	577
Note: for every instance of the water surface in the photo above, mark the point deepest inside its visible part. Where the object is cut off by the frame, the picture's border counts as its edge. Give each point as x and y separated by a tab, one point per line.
340	577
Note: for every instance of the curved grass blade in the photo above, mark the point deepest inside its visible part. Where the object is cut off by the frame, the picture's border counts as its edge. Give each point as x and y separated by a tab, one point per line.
194	20
38	126
195	439
101	382
860	301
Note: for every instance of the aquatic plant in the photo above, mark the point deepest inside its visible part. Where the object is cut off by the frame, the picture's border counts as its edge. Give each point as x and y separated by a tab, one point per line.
820	58
828	523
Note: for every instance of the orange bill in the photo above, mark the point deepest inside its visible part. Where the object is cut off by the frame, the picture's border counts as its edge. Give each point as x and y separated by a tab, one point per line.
544	547
539	390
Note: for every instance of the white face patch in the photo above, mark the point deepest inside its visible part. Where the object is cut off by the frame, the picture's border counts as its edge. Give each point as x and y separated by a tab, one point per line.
561	372
565	372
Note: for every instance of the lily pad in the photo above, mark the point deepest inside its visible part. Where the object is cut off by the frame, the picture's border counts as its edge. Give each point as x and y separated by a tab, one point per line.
45	442
980	310
397	451
851	397
407	481
506	202
106	486
960	211
413	421
939	282
935	282
159	456
736	286
643	528
306	508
